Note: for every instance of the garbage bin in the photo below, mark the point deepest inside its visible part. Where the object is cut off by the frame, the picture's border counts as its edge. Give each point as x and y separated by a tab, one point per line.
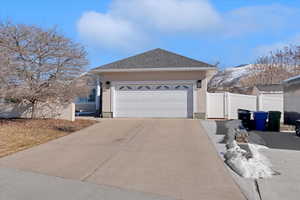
297	123
260	119
245	117
274	121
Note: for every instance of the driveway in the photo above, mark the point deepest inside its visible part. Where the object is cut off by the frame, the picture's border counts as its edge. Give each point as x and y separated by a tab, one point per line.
172	158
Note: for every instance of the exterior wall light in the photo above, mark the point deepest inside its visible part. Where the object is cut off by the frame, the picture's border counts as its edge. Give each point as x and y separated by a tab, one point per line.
199	84
107	84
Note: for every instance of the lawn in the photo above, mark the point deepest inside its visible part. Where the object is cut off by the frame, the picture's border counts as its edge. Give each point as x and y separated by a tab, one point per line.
19	134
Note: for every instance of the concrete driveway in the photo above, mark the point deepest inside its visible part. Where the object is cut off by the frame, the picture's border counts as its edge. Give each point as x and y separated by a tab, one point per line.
172	158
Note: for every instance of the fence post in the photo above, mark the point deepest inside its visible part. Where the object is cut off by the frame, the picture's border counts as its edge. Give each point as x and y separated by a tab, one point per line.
227	105
259	102
207	105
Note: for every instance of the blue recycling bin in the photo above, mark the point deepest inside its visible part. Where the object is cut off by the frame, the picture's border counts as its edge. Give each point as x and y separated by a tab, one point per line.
260	119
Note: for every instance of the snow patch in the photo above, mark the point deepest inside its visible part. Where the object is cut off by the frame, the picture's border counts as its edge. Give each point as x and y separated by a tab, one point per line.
248	164
230	75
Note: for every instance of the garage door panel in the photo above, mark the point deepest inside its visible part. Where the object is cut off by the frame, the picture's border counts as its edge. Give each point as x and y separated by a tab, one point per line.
170	103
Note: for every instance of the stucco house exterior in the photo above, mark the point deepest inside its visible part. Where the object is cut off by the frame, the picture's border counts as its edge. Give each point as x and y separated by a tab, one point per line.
291	100
154	84
275	89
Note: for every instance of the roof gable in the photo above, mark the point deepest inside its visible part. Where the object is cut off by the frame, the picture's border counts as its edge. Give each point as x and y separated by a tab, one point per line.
157	58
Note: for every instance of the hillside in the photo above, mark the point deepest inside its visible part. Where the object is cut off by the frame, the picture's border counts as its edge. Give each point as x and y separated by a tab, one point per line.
229	79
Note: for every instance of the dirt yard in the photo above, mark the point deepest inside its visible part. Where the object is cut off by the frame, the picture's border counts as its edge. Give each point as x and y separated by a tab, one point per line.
19	134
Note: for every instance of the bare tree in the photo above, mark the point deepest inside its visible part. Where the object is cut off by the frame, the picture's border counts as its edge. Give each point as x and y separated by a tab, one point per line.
275	67
39	65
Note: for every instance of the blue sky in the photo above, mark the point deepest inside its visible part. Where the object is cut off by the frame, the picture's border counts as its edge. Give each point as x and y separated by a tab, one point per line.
231	32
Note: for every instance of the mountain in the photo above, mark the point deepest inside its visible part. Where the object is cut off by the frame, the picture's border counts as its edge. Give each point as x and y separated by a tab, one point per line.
229	79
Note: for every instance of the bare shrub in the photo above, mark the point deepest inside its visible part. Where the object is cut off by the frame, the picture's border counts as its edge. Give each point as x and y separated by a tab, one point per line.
275	67
39	65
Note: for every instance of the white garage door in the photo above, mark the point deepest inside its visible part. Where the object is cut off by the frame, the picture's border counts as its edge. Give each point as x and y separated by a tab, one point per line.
154	100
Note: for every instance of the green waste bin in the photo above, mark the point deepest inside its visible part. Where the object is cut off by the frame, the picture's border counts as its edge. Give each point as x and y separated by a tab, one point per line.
274	121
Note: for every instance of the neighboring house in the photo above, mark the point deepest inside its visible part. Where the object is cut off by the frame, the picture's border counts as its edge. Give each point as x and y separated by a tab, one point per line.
86	104
89	105
157	83
267	89
291	100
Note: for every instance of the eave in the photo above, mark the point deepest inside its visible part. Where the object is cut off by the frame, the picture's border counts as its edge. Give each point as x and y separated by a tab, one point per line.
154	69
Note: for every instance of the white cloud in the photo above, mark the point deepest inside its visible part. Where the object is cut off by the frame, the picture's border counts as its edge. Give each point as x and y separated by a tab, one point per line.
109	31
266	49
256	19
125	23
169	15
132	23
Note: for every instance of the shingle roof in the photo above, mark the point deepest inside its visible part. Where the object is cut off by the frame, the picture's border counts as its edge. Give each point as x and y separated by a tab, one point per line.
292	79
157	58
270	88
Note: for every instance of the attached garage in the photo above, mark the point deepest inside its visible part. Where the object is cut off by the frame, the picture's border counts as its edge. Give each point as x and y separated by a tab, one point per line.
154	84
157	100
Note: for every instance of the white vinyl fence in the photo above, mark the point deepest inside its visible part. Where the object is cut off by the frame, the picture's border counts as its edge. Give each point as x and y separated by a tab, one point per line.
267	102
237	101
216	105
225	105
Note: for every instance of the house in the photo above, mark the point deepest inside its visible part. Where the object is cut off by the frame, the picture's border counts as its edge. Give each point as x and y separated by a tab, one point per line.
267	89
154	84
86	105
291	100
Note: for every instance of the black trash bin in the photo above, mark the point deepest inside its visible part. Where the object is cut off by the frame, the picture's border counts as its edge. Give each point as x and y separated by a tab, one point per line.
274	121
245	117
297	123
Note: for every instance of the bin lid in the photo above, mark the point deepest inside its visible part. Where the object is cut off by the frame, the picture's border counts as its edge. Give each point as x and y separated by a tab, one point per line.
243	111
260	115
274	112
261	112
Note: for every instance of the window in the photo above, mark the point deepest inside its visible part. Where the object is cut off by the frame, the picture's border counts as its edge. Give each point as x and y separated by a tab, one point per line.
127	87
181	87
91	98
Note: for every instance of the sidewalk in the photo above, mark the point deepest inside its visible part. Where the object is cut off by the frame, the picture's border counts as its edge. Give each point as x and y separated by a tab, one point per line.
284	155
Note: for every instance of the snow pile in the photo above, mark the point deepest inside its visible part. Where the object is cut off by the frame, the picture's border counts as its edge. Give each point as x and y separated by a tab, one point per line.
248	164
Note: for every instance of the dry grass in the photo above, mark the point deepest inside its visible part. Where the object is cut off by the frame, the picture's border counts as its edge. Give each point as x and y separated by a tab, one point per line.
20	134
